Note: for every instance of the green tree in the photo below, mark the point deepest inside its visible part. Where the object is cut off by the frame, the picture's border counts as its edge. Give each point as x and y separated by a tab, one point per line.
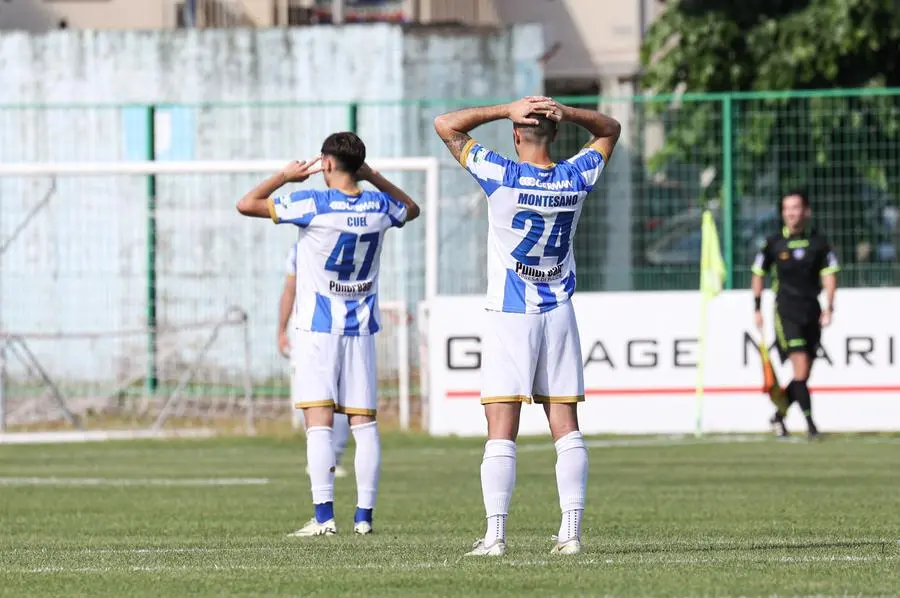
837	147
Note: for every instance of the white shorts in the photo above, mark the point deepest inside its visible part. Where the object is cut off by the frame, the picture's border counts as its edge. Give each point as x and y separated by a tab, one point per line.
329	370
527	357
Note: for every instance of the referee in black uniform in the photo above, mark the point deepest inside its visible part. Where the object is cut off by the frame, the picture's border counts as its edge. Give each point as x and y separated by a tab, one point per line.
802	263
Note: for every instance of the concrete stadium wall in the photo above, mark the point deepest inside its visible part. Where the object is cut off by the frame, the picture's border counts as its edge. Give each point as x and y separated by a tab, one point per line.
80	265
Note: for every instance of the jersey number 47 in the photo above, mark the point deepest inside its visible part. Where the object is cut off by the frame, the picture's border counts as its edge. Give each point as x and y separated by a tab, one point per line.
343	257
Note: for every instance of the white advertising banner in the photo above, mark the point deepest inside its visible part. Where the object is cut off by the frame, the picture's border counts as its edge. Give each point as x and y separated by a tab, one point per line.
640	355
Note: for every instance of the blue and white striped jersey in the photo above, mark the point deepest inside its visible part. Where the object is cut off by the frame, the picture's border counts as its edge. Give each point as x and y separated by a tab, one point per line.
533	212
337	256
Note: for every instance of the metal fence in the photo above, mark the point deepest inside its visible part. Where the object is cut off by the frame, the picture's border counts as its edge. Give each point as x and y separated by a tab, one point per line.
736	153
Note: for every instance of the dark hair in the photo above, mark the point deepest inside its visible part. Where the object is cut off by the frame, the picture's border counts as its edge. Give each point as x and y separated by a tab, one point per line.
542	132
792	193
347	148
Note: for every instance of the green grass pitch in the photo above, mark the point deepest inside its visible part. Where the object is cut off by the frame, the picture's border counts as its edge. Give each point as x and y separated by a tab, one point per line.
666	517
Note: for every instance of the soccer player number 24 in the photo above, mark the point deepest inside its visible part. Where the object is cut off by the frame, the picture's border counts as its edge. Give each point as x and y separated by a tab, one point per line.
558	243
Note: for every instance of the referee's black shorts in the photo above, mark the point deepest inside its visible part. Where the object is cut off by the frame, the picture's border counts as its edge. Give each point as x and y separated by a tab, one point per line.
796	333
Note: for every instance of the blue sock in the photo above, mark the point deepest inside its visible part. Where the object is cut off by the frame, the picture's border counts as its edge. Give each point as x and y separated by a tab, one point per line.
324	512
363	515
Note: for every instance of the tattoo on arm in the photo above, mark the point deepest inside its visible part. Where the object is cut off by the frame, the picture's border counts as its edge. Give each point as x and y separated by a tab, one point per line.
456	142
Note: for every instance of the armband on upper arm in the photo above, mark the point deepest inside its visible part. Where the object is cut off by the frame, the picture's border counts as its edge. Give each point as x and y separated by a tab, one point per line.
459	144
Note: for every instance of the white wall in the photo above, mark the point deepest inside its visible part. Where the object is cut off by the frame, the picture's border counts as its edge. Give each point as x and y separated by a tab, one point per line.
81	265
596	38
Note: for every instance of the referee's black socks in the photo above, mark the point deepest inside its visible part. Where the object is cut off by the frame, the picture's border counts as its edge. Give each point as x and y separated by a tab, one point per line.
798	391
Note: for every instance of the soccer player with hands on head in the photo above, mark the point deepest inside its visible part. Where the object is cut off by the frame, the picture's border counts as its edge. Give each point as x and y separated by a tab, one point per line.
340	236
531	349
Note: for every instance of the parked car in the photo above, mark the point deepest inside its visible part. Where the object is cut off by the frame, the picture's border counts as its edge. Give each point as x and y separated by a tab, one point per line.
678	241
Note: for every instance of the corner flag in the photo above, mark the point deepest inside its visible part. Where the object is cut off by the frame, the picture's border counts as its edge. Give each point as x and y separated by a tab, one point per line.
712	267
712	274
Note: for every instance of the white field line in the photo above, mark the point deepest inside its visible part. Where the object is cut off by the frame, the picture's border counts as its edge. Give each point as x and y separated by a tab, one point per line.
670	441
100	436
189	482
661	441
498	562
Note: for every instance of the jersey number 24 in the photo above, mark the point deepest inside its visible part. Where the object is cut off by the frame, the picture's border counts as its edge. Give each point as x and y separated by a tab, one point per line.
557	243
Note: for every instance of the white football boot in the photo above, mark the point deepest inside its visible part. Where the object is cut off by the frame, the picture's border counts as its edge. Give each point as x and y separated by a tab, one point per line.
362	528
314	528
498	548
572	546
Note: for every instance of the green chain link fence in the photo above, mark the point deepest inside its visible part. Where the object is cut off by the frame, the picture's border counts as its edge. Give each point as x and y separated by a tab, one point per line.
135	249
736	153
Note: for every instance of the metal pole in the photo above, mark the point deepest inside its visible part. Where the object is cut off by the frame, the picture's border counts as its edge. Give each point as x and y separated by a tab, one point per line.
728	190
353	117
152	381
424	365
432	229
337	12
248	381
3	386
403	364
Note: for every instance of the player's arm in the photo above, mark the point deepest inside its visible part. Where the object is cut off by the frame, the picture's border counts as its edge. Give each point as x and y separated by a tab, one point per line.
285	307
757	285
604	130
761	265
828	270
365	173
454	127
258	203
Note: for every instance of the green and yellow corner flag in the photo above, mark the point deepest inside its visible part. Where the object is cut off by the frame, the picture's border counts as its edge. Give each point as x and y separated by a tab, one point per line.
712	276
712	267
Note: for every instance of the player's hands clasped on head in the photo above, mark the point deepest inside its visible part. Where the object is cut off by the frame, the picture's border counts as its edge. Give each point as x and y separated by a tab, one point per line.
548	107
297	172
521	111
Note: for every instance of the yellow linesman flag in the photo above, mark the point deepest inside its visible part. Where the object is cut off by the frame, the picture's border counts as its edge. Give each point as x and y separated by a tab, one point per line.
712	267
771	386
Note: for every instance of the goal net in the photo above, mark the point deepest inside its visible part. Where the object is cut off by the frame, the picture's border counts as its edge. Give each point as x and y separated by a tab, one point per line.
134	299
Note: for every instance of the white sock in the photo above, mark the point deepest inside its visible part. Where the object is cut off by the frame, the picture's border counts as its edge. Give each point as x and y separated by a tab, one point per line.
498	479
571	481
367	463
320	459
570	527
341	436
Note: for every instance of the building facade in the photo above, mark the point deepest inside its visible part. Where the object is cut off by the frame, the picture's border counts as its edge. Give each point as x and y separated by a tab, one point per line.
586	39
